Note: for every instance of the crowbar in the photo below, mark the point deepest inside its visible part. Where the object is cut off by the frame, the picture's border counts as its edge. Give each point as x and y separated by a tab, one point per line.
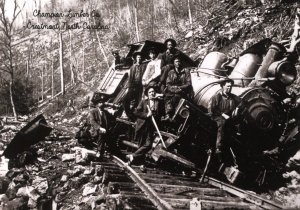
209	152
156	127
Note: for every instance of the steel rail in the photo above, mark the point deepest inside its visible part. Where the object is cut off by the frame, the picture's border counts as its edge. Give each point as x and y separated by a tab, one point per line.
164	205
152	195
246	195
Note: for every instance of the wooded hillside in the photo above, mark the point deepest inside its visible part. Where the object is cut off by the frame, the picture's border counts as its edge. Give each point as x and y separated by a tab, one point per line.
48	47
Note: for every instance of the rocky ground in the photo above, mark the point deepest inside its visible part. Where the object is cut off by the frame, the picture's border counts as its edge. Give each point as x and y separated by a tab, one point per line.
59	173
55	173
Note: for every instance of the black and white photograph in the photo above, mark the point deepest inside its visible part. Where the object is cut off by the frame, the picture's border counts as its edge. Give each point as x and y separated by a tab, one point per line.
159	104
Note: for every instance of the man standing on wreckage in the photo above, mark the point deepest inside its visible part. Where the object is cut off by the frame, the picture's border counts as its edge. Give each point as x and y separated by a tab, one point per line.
100	120
150	109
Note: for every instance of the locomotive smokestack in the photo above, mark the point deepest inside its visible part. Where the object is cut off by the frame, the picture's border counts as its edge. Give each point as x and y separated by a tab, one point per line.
275	52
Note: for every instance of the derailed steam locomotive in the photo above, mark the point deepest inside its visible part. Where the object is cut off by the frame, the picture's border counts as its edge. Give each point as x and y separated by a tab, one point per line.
261	75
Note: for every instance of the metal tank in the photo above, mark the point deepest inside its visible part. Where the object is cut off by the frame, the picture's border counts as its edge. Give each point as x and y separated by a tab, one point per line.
246	67
212	63
258	108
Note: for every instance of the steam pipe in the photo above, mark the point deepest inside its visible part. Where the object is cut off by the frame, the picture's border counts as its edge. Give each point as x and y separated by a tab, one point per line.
274	53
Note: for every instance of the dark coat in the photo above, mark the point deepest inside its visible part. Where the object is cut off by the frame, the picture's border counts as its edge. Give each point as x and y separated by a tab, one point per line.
220	104
135	76
98	119
144	124
168	58
179	83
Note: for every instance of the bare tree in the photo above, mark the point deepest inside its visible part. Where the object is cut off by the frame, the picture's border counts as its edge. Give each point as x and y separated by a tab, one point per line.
136	20
190	14
7	34
61	65
101	46
71	58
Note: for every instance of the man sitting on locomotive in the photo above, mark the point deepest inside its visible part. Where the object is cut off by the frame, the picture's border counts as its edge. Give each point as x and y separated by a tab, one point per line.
221	109
178	85
167	61
151	107
135	87
153	70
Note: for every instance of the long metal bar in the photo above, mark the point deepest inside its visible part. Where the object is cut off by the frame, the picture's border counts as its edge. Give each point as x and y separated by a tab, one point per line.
156	127
147	189
246	195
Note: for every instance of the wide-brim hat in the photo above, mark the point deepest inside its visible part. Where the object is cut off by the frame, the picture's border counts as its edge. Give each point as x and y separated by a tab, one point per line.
171	40
153	50
147	88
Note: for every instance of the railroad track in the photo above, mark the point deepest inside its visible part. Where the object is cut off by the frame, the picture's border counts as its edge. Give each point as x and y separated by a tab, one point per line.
155	188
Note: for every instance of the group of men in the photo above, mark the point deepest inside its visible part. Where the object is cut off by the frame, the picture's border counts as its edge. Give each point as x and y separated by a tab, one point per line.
154	90
158	85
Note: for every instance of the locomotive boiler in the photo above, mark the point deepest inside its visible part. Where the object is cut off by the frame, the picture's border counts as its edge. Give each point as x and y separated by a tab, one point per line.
260	82
260	74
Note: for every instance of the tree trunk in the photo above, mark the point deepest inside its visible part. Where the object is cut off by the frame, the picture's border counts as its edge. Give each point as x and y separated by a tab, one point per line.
129	17
11	99
120	12
62	83
42	80
101	47
83	61
27	68
190	14
52	78
152	20
176	24
136	21
71	63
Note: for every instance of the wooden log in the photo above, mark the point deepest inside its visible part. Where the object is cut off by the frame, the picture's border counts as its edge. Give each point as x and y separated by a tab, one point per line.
108	177
136	199
115	187
202	197
165	176
185	204
158	171
104	164
140	198
227	205
175	189
173	182
113	170
138	205
133	194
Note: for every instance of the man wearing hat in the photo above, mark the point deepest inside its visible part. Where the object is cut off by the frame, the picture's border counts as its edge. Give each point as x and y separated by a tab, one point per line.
135	87
118	60
221	107
178	85
167	59
100	120
168	56
150	107
153	70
